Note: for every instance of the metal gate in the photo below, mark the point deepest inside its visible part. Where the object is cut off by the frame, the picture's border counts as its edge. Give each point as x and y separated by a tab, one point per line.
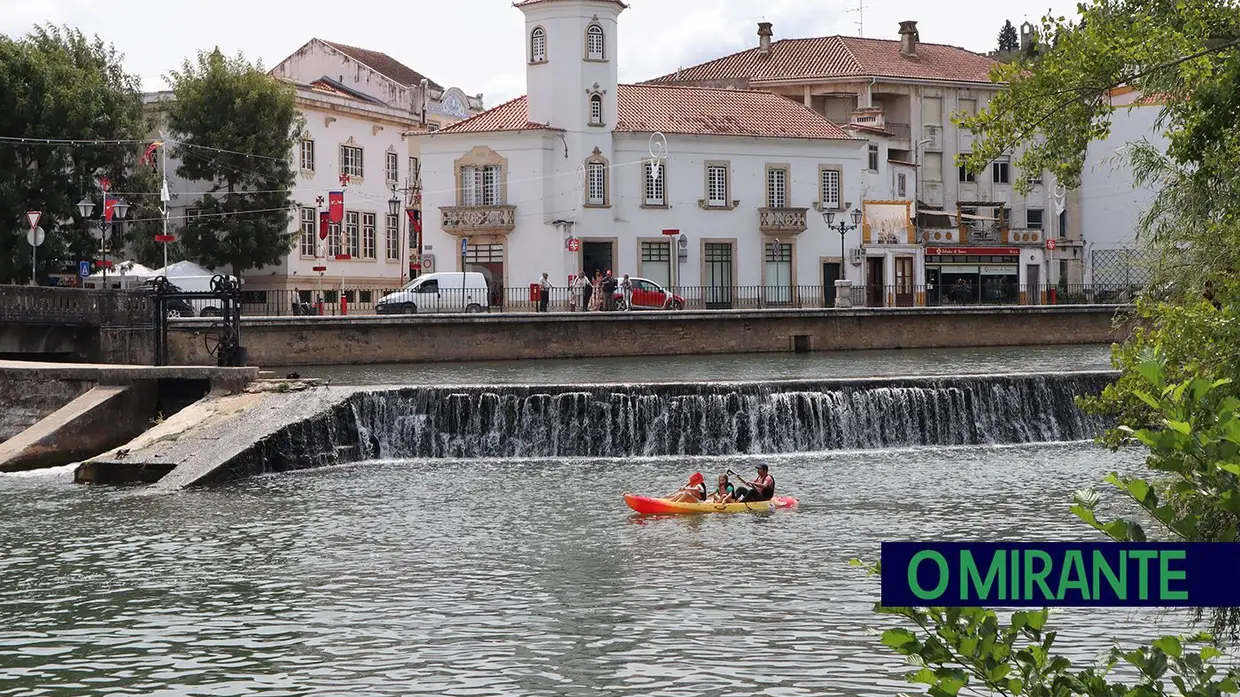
222	338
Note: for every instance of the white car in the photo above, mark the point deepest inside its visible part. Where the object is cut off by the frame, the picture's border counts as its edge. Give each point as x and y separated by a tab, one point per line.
446	291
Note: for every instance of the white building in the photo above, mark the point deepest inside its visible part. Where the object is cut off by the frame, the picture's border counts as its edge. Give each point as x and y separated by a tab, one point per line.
714	191
1109	201
901	95
360	109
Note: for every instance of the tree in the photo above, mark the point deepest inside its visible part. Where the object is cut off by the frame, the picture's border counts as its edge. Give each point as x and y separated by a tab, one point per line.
58	85
1009	42
235	128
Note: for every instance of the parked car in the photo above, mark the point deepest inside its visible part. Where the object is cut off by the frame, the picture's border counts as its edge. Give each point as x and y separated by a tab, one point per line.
444	291
648	295
175	306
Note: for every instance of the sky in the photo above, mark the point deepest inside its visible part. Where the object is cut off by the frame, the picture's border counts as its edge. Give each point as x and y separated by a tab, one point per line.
478	45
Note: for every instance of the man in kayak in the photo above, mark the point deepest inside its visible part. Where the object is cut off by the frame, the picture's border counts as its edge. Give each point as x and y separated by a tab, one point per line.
695	492
762	488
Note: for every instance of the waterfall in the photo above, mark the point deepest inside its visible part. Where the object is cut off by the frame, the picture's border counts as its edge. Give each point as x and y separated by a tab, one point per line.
626	420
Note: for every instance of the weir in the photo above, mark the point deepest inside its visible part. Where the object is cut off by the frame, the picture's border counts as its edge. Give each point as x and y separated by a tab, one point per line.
686	419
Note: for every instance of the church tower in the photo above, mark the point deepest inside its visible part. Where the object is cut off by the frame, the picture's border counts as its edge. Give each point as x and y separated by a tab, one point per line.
570	52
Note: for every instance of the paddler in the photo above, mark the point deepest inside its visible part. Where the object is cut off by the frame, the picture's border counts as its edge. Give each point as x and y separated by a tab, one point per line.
694	492
724	491
762	488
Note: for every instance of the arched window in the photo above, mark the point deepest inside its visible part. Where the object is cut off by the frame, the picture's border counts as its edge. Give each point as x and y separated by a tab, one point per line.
594	42
596	110
538	45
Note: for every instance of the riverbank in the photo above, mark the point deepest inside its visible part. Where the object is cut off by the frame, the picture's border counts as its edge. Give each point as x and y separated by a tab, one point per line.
316	341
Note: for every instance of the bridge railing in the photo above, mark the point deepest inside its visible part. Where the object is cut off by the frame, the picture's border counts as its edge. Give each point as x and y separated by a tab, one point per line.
75	306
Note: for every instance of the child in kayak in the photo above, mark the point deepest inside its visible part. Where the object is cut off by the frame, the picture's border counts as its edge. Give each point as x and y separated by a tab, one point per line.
724	492
695	492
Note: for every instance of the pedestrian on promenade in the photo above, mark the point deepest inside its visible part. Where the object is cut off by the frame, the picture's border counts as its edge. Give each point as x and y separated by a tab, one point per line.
609	291
580	294
626	288
544	292
596	292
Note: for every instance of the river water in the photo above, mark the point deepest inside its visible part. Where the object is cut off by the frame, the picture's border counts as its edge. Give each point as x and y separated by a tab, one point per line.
506	577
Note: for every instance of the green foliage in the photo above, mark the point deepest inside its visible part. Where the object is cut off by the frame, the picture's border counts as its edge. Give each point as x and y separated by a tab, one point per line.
236	127
1009	41
57	84
969	650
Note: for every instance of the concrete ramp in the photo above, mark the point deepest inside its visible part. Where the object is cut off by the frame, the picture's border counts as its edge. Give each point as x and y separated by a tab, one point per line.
102	418
270	427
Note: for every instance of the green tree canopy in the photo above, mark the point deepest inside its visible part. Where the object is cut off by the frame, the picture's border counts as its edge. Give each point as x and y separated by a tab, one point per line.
56	84
235	127
1009	42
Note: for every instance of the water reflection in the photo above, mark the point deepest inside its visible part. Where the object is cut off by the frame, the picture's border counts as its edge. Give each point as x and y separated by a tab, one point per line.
510	578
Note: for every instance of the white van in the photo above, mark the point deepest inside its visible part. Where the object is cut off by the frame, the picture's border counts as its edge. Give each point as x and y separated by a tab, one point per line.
447	291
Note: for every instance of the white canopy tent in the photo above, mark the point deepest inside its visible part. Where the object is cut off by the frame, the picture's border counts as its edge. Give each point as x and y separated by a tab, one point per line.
181	269
124	268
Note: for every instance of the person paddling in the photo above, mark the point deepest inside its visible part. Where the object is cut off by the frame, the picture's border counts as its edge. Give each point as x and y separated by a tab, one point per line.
762	488
724	491
695	492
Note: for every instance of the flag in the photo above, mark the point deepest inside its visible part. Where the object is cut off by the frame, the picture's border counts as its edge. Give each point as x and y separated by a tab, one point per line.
335	203
107	209
148	156
415	220
324	225
163	192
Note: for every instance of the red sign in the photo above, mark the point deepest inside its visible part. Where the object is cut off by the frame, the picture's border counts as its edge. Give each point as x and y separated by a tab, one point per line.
671	232
165	238
574	244
1050	244
343	257
320	269
103	264
324	225
988	251
33	217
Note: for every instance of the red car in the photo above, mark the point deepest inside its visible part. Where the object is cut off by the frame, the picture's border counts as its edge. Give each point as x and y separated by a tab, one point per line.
648	295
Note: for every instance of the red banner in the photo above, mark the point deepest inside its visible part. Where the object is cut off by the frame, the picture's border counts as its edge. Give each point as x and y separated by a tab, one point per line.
324	225
415	220
108	205
335	206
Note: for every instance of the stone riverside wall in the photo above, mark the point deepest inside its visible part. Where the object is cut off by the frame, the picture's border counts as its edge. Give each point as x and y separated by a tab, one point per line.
26	399
303	341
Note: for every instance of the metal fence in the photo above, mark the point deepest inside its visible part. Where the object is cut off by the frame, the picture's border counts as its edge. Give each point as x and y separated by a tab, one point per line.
367	301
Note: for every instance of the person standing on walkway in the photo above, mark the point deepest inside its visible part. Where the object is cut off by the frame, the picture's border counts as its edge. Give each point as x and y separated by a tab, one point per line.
578	298
544	292
596	294
626	289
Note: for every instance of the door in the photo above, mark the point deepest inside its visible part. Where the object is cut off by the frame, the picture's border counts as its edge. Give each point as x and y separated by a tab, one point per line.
934	289
488	260
426	296
656	262
597	256
778	273
830	274
1034	284
718	259
874	281
904	281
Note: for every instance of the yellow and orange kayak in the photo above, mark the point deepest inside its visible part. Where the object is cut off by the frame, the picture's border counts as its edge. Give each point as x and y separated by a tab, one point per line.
654	506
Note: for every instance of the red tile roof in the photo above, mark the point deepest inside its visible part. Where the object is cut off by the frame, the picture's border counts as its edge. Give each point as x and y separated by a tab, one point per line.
839	56
383	64
682	110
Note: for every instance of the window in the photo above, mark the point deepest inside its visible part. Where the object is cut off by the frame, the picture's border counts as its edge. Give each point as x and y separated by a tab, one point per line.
968	107
538	45
594	42
717	186
333	239
999	172
932	111
368	235
413	170
596	110
596	184
1033	218
393	238
776	187
653	184
965	174
932	168
309	231
901	185
480	186
352	234
829	189
351	161
778	273
656	262
1063	224
1005	217
873	164
391	166
307	155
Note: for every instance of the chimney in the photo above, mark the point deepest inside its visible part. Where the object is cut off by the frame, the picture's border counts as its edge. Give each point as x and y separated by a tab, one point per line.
908	38
764	37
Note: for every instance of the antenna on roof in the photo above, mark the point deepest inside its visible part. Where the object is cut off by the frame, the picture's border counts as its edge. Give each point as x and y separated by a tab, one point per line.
861	6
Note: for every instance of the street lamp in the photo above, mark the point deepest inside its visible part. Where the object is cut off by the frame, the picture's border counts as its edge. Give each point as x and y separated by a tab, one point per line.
842	228
120	208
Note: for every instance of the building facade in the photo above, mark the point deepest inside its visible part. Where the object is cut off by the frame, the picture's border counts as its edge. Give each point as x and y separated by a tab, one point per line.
360	108
972	230
716	192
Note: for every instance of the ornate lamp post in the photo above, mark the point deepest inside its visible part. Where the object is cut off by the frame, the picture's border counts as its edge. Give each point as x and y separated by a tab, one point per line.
119	208
843	295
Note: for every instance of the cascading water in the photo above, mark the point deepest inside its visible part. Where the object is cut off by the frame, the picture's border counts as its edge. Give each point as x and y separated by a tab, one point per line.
724	418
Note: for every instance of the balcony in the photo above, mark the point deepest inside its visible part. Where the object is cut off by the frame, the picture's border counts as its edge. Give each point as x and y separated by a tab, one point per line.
458	220
1024	236
785	221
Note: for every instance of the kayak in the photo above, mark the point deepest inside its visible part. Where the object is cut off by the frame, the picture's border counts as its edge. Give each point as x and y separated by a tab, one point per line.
650	505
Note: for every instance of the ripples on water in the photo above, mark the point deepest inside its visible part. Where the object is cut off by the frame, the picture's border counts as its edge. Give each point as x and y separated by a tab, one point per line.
503	578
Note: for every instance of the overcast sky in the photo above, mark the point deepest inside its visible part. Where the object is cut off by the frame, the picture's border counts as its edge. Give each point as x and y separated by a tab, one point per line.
477	45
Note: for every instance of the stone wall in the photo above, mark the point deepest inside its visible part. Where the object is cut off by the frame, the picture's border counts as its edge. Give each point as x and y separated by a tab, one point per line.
368	340
27	399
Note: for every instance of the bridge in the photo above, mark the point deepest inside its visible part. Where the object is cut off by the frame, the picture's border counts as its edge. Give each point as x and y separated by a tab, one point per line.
78	325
